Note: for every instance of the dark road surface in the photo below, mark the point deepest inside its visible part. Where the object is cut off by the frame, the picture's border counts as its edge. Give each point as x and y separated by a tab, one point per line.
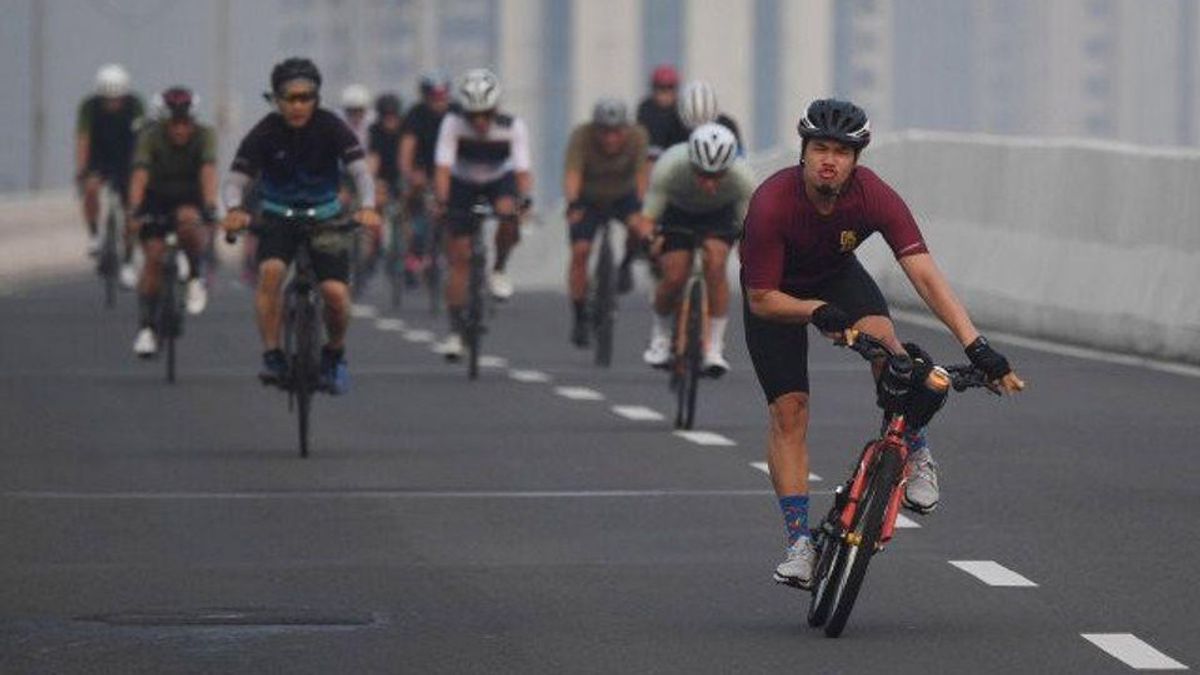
501	526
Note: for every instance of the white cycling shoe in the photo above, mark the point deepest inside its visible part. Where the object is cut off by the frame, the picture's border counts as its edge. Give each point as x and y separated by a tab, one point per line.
128	276
715	364
145	344
797	566
197	296
658	354
921	492
500	285
451	348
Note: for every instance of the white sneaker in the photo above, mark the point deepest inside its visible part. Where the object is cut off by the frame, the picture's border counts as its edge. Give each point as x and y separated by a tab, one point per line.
658	354
95	243
182	266
451	348
921	491
129	276
501	286
197	296
797	566
715	364
145	345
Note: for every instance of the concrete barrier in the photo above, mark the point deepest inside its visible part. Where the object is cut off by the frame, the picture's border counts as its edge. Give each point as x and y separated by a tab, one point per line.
1089	243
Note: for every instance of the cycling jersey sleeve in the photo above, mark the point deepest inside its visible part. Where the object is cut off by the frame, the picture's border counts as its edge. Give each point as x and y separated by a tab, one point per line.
446	151
576	149
763	245
656	193
520	146
248	159
144	149
83	117
208	145
364	183
892	218
348	147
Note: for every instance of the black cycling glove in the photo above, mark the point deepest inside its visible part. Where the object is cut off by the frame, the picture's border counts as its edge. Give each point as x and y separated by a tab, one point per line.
991	362
831	319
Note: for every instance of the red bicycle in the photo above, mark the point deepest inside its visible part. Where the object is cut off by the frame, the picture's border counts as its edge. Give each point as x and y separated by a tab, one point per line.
863	517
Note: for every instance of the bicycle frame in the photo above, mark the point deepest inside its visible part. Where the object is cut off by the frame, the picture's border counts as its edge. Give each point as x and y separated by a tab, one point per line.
893	440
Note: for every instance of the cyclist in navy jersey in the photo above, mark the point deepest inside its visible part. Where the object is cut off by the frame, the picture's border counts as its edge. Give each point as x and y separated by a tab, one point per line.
418	139
297	154
799	267
658	113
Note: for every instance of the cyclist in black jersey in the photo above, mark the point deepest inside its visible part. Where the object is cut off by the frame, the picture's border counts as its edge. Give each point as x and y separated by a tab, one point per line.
658	114
418	138
297	154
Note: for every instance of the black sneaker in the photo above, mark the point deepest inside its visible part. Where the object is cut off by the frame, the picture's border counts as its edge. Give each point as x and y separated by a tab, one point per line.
579	334
274	368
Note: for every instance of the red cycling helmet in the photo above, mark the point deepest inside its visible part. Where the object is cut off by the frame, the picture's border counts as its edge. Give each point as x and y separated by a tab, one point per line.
665	76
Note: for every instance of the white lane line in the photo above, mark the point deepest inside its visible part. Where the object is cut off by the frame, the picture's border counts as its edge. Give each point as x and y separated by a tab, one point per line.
418	336
528	376
762	466
490	361
906	522
992	573
638	413
390	324
1134	652
363	311
579	393
705	438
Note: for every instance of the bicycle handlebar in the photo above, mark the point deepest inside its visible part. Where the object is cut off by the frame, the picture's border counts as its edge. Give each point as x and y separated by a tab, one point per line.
959	376
301	222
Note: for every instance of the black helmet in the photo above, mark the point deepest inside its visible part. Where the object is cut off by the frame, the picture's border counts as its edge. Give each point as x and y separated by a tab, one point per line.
835	120
177	103
433	80
387	104
294	69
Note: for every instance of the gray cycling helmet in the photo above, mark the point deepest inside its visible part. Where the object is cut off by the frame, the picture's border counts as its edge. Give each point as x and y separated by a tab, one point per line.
610	112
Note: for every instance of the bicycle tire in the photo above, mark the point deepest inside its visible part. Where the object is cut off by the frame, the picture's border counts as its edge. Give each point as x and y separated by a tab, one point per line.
108	261
826	569
305	368
604	302
395	267
868	525
474	325
693	353
168	319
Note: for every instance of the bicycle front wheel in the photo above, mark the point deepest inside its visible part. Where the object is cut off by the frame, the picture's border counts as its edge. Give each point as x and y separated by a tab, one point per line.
304	368
604	303
474	327
109	264
169	317
693	353
861	541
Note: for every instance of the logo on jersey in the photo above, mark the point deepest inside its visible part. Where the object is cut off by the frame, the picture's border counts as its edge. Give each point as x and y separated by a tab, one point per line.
849	241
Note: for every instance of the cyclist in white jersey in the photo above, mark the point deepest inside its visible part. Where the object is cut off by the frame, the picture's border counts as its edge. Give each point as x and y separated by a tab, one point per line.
480	154
701	186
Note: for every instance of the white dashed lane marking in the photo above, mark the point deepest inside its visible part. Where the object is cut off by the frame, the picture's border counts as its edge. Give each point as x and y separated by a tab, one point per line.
638	413
363	311
992	573
1133	651
705	438
906	522
489	361
532	376
389	324
418	336
579	393
762	466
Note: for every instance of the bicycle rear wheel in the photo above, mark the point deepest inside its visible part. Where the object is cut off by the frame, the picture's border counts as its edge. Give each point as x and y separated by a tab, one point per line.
474	327
108	261
693	352
168	322
861	541
604	302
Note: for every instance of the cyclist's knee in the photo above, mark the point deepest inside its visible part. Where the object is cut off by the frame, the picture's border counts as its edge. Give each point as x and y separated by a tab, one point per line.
580	251
187	216
270	275
336	294
789	414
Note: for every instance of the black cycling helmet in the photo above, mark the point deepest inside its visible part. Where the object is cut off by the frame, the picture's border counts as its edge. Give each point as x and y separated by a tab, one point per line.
840	121
177	103
387	104
294	69
432	80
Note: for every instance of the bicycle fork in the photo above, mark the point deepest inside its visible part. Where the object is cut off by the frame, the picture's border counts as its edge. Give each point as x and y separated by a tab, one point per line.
852	495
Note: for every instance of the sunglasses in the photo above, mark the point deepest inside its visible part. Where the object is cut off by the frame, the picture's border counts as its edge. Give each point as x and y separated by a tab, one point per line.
714	175
304	97
480	116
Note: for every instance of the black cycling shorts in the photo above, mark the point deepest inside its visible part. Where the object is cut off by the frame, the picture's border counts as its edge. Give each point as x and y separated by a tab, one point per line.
163	210
779	351
464	195
719	224
330	251
595	215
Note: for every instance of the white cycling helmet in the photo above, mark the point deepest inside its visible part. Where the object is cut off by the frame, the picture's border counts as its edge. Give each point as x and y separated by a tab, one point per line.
697	104
478	90
356	96
712	148
112	80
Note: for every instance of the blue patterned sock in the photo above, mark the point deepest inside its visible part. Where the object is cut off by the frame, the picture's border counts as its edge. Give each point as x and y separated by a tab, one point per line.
795	516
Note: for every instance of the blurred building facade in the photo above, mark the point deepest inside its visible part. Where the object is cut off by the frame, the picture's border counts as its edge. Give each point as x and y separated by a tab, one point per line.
1118	69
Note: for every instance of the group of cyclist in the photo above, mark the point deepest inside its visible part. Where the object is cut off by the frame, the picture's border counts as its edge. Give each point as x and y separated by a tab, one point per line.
675	176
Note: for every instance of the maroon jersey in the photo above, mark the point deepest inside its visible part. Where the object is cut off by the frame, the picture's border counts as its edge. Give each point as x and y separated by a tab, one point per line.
789	246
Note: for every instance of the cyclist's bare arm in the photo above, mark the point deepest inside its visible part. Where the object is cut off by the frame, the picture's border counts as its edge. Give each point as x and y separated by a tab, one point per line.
408	153
775	305
373	163
137	188
524	183
643	179
572	184
233	191
934	289
208	184
441	184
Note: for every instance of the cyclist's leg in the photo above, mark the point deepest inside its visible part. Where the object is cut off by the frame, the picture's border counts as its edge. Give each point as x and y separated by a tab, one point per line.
716	255
276	248
92	183
508	230
676	262
193	236
626	210
459	224
149	286
580	235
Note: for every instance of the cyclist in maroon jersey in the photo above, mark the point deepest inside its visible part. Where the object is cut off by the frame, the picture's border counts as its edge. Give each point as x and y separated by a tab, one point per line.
799	267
